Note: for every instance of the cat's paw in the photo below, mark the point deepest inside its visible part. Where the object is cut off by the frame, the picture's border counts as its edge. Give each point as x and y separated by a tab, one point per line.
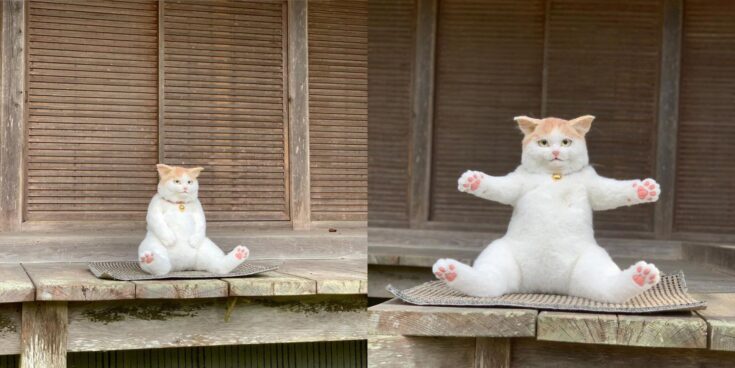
445	269
645	275
646	190
147	257
241	252
470	181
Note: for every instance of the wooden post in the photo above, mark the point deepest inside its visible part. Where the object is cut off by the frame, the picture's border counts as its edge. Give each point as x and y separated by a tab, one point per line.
668	116
492	352
12	124
43	335
422	116
161	84
298	113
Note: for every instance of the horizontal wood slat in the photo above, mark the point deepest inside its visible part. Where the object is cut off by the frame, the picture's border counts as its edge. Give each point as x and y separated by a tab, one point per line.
603	59
390	56
224	104
488	70
338	109
92	106
705	195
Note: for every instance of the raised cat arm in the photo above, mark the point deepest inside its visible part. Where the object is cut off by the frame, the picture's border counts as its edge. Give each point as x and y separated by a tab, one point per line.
605	193
503	189
157	224
200	226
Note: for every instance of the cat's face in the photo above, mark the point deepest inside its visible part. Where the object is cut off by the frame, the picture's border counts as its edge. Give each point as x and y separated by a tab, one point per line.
178	183
554	145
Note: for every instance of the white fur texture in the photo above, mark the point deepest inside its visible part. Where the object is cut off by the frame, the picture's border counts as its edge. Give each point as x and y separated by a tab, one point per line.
177	240
550	246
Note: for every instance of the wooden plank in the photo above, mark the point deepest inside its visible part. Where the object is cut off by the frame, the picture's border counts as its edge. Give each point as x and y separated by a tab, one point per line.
74	282
161	82
492	353
10	326
43	336
181	289
397	318
340	276
668	115
420	352
298	114
422	112
150	324
15	285
720	317
12	126
271	284
685	330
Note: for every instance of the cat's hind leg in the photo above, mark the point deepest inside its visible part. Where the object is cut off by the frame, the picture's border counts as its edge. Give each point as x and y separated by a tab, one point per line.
597	277
211	258
153	257
494	273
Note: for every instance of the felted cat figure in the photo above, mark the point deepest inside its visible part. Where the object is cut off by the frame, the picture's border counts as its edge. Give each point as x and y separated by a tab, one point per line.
549	246
176	238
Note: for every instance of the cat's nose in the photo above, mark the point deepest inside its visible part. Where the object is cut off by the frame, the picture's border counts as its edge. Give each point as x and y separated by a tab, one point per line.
555	153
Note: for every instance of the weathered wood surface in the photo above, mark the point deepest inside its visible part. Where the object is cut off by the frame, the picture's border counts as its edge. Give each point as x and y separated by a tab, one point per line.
10	326
298	111
122	245
12	122
160	324
271	284
399	277
43	337
397	318
720	317
492	353
74	282
181	289
340	276
529	353
684	330
420	352
15	285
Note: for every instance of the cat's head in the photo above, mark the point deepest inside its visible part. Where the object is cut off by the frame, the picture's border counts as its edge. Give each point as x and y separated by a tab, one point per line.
178	183
553	145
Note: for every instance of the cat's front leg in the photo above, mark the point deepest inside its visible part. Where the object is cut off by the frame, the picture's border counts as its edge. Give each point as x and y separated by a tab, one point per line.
503	189
606	193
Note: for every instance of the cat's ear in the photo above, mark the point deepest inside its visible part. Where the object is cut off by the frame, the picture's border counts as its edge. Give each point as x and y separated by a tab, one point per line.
582	124
194	173
164	170
527	125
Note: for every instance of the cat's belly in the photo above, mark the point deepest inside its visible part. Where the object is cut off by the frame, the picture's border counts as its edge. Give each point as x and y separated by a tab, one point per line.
181	223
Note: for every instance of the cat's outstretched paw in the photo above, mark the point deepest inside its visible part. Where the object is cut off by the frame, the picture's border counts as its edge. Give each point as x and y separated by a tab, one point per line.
445	269
646	190
470	181
645	275
147	257
241	252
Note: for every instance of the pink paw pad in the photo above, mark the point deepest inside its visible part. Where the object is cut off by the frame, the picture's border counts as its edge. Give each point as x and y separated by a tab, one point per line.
473	182
443	274
241	253
643	275
146	258
646	190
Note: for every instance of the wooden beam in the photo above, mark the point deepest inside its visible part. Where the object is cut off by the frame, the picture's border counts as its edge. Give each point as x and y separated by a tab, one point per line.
668	116
420	352
10	326
720	317
161	84
492	353
12	113
298	113
16	286
422	117
44	335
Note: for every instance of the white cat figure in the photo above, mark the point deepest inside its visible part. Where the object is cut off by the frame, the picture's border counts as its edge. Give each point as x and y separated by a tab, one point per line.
550	246
176	238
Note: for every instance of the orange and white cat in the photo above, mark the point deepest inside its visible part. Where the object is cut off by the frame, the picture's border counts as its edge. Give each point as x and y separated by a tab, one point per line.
550	245
176	238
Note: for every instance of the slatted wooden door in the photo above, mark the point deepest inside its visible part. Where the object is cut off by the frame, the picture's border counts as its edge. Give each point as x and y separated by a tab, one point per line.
92	109
705	194
338	109
489	57
391	31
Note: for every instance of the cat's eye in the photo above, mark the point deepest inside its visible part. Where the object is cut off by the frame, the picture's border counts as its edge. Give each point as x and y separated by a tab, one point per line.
177	181
566	142
543	143
189	182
